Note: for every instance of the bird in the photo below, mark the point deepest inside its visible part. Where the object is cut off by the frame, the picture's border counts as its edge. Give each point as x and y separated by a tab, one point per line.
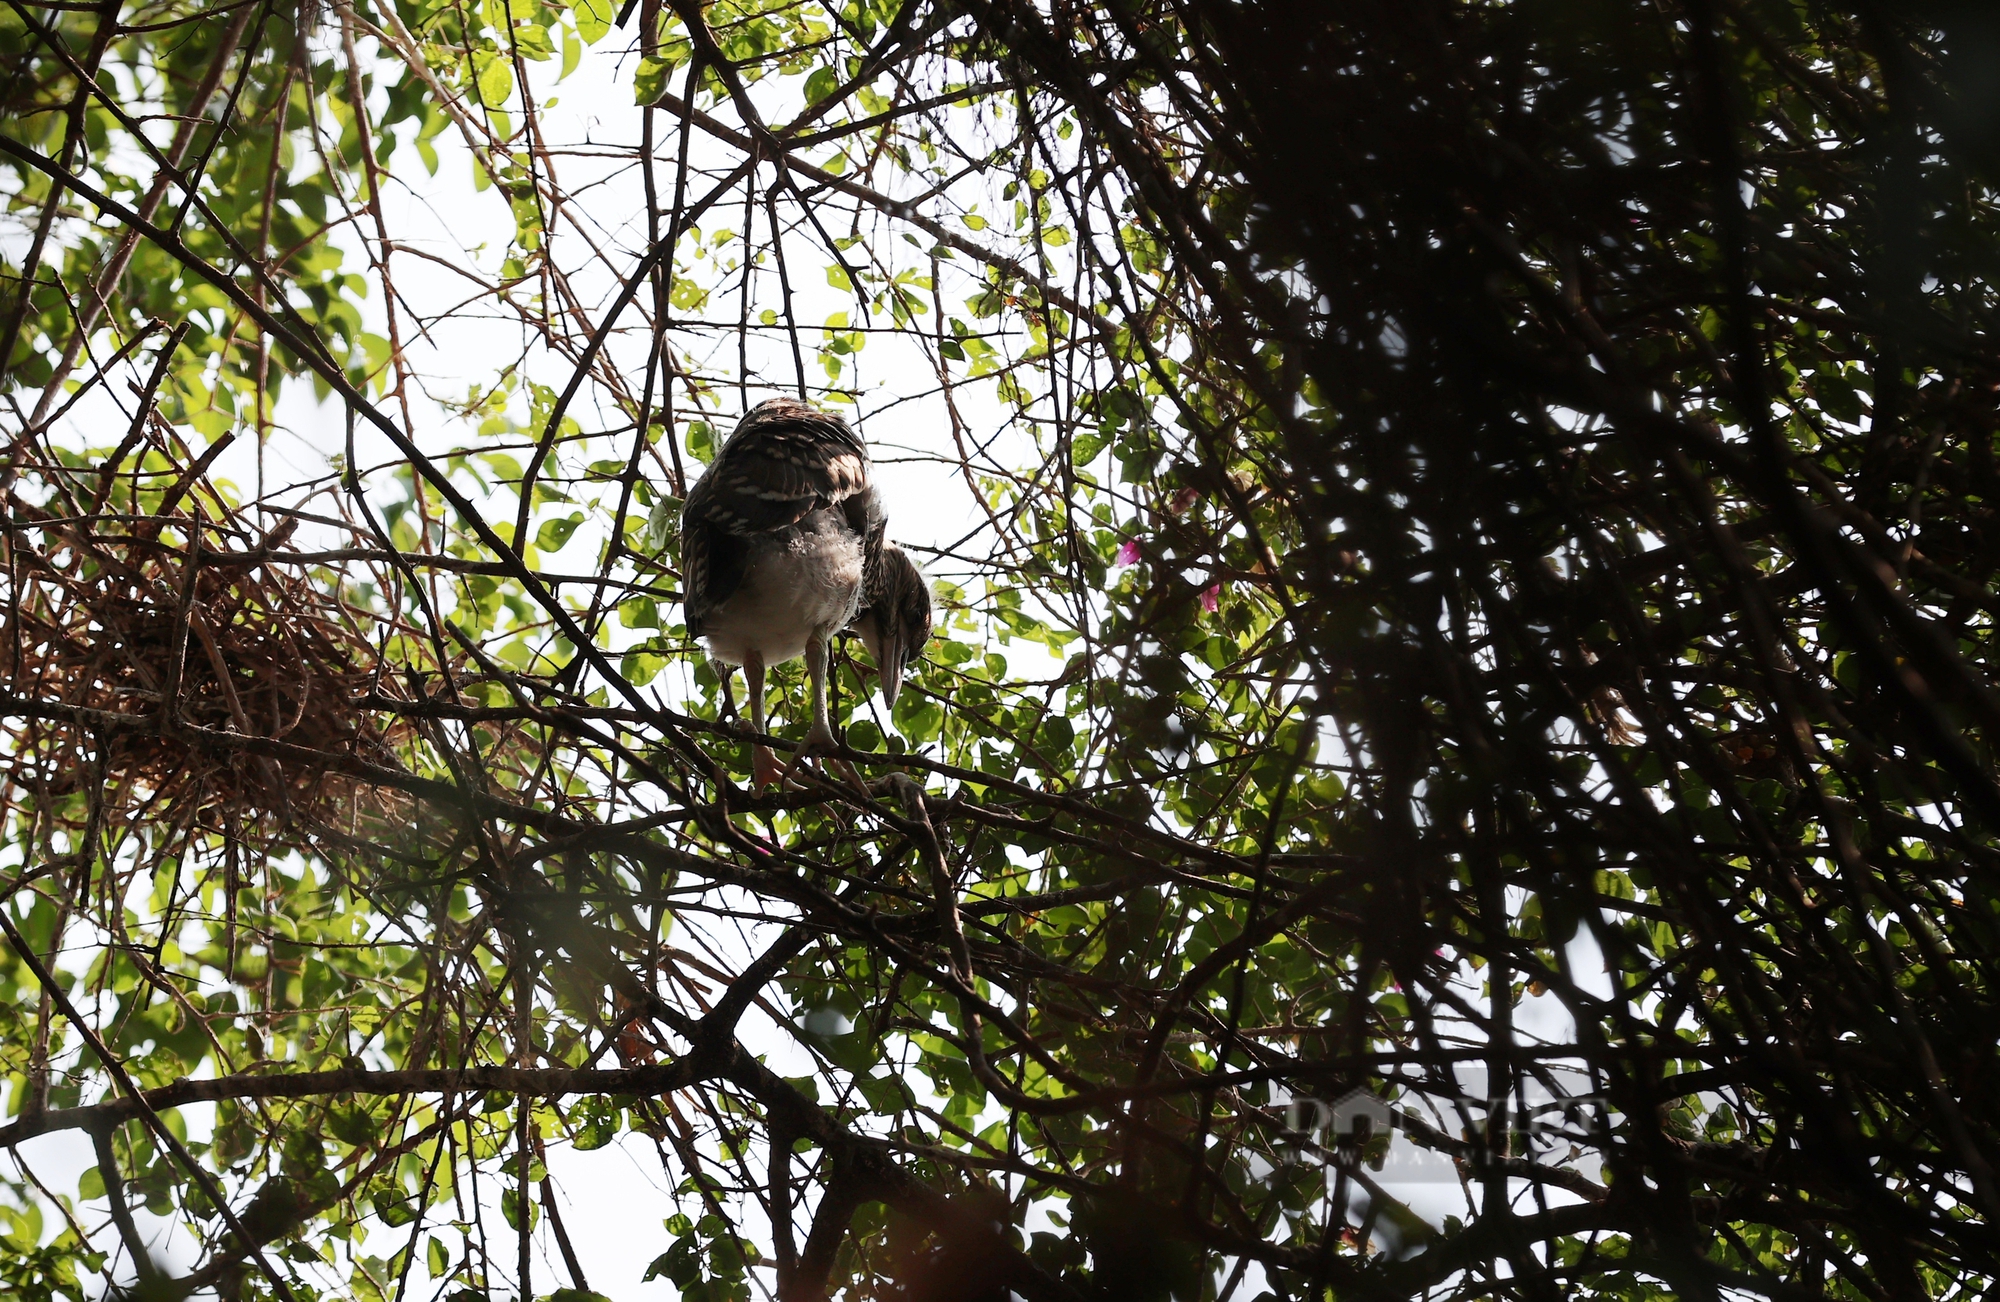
894	621
784	544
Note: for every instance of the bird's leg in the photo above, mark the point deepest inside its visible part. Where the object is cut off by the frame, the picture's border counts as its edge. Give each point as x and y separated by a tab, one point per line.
764	768
727	677
820	736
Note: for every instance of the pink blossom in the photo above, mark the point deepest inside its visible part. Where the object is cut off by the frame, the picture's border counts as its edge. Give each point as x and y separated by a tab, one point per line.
1128	553
1211	598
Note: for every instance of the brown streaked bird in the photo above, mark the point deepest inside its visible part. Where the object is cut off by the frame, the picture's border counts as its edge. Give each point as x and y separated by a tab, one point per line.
782	546
895	617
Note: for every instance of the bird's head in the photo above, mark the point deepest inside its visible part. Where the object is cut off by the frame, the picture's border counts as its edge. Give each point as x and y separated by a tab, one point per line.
897	622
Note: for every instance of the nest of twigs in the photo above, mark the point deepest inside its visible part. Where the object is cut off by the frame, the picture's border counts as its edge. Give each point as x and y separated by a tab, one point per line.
182	663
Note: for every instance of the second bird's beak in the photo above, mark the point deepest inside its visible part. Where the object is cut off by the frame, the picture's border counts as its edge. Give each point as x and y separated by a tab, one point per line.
890	658
888	652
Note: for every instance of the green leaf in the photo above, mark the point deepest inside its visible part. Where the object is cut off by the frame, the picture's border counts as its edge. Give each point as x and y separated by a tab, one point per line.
822	83
495	81
532	40
553	534
393	1208
640	667
593	19
650	81
511	1204
701	442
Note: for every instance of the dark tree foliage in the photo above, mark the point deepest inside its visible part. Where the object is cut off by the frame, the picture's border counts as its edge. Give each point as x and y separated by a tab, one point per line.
1622	380
1506	488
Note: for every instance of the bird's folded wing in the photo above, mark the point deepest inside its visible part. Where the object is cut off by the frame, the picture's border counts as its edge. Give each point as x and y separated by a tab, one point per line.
775	474
711	567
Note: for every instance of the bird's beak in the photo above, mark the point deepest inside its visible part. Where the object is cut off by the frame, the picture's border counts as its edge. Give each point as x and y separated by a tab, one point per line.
889	659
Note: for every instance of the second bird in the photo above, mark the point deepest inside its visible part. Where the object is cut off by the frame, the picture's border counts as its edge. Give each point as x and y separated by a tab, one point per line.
783	545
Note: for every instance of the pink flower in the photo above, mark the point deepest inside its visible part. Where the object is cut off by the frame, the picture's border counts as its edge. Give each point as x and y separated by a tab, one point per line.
1128	553
1211	598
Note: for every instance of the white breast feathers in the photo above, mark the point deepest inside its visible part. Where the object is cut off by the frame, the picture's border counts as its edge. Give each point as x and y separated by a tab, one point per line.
796	580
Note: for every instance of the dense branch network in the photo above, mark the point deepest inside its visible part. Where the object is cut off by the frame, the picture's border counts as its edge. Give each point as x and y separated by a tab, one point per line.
1472	591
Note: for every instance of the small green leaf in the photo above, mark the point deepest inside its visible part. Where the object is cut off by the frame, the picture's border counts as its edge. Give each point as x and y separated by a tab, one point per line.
553	534
822	82
639	668
495	80
701	442
1086	445
511	1204
532	40
650	81
593	19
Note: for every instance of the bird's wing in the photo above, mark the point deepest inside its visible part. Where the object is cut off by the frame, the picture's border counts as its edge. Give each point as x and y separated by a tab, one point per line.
865	516
783	462
712	558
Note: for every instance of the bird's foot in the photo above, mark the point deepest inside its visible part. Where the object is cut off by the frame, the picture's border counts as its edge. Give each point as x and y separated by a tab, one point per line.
765	771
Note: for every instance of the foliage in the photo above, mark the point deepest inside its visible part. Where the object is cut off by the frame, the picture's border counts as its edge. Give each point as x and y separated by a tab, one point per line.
1478	595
